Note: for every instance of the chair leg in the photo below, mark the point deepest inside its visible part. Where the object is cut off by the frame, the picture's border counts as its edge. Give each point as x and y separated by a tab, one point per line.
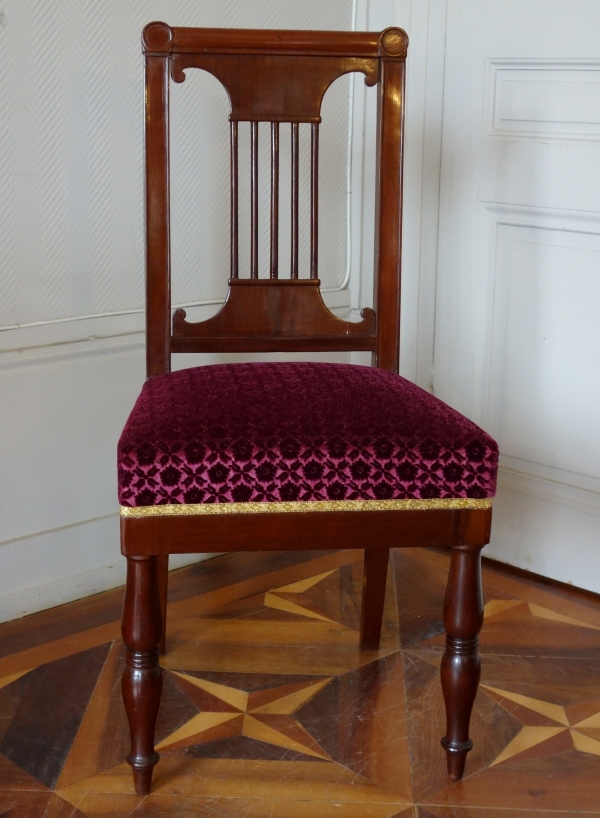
162	563
374	581
142	678
463	618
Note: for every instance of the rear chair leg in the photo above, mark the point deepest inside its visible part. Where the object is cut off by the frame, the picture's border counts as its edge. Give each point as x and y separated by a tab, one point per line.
463	618
142	678
374	581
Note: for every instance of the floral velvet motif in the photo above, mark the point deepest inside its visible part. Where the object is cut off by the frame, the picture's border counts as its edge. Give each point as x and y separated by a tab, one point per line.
297	431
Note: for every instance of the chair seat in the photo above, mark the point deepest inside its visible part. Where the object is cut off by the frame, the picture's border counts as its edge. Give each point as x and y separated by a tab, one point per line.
296	433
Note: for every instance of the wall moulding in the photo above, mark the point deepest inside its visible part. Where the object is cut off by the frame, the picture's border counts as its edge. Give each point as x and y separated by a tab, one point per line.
543	98
66	353
66	337
569	495
548	218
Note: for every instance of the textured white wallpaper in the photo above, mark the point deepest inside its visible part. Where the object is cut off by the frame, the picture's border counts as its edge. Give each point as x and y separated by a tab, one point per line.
71	184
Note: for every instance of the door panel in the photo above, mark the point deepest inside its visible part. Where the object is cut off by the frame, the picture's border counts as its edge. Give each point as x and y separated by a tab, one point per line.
518	288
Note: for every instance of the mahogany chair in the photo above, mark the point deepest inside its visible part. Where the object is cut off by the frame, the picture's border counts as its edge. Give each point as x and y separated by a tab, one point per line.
277	456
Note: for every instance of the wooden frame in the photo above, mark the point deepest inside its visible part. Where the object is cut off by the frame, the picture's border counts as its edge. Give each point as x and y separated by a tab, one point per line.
258	68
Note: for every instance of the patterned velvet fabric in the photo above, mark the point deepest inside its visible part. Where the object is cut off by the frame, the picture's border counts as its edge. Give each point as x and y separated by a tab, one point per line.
272	432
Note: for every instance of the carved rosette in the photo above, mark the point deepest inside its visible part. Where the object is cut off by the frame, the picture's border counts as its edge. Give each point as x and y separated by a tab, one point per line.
393	42
157	38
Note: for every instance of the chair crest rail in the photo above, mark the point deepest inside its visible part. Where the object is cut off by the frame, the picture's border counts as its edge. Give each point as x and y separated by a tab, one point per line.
160	38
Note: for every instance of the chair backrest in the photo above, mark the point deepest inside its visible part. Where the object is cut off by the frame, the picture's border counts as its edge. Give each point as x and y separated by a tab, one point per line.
274	77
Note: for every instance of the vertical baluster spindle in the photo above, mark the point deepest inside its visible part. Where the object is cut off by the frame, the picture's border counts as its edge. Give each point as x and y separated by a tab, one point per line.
234	200
295	189
254	201
274	199
314	201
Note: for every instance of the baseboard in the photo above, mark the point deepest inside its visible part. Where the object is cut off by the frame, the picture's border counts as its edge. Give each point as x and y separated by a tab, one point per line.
87	583
522	574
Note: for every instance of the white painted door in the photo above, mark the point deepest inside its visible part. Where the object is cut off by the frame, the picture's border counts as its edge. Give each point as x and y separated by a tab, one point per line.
517	340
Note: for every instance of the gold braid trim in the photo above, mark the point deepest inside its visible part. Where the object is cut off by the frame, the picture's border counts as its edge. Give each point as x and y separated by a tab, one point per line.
193	509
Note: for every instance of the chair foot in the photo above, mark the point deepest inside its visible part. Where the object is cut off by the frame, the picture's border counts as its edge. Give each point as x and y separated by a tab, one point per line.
456	756
374	582
142	775
460	671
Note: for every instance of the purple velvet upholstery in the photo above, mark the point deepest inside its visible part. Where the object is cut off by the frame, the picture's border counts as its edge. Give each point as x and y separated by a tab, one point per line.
297	431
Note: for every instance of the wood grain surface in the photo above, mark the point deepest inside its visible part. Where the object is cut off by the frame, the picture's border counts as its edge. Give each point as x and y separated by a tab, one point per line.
270	710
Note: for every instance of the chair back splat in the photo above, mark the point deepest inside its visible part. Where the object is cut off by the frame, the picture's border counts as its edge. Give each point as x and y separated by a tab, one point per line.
274	77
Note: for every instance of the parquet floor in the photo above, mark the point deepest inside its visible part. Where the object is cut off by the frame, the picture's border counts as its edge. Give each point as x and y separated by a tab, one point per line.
271	711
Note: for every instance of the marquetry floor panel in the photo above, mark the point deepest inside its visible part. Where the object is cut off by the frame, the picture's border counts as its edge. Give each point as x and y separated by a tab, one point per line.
270	710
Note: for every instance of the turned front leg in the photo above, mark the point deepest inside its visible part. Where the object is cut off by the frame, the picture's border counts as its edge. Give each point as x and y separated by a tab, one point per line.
463	618
162	569
142	678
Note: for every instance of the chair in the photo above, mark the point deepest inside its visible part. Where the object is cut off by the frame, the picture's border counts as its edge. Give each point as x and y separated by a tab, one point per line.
277	456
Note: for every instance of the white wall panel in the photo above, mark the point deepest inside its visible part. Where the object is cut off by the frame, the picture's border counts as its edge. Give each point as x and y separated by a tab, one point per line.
551	97
548	356
64	564
66	407
538	385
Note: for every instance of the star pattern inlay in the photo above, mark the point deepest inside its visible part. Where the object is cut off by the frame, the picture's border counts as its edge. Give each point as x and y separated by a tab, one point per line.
499	610
265	715
292	599
548	728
